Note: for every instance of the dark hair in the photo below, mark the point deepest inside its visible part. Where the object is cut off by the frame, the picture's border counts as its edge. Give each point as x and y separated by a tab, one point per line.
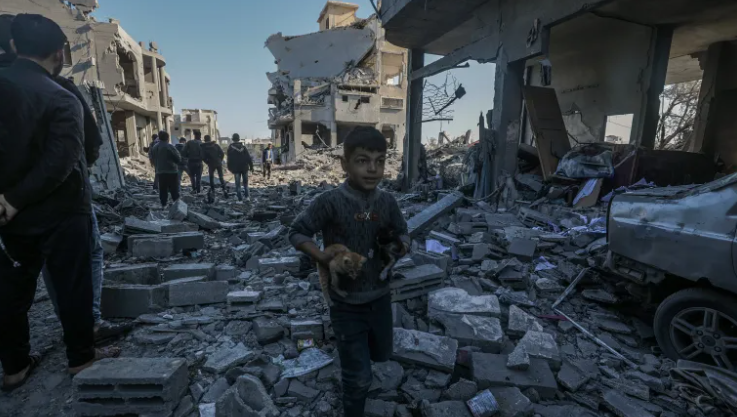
155	136
182	140
207	138
37	36
163	136
197	134
6	21
236	137
364	137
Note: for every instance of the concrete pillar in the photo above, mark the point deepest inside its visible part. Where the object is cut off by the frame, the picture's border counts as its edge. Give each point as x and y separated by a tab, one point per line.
505	119
297	147
333	134
414	119
660	59
131	133
715	118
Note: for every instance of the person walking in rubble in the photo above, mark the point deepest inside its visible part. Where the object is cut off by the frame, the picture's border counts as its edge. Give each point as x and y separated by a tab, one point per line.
239	163
356	215
213	157
167	160
154	142
45	202
192	152
183	164
268	158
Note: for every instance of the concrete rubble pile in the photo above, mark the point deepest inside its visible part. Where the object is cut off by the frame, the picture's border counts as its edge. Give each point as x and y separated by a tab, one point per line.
231	320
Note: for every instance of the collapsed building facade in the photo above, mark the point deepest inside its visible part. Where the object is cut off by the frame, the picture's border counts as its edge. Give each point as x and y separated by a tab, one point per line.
605	61
196	120
330	81
131	78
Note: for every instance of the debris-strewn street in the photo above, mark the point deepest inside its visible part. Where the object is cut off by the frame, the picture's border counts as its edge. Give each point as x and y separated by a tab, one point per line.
230	320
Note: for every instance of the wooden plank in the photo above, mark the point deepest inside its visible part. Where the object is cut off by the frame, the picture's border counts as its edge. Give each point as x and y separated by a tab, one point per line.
546	119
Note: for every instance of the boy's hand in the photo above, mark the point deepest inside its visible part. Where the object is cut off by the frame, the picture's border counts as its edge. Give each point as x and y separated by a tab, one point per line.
324	259
404	250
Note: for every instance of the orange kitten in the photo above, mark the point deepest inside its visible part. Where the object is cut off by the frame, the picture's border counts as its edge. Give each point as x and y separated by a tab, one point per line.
344	262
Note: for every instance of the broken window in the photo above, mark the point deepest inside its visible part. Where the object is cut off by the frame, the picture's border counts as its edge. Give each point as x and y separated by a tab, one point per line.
127	62
148	72
619	128
345	99
396	103
365	100
392	68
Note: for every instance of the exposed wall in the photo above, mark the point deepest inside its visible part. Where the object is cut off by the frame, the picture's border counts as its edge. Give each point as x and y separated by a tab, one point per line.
600	67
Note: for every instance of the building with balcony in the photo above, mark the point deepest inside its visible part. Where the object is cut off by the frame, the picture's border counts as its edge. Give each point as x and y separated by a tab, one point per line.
196	120
133	80
328	82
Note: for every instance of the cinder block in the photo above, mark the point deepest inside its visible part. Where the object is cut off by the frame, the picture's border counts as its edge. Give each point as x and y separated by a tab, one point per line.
289	263
416	282
144	274
428	216
252	237
243	300
131	301
196	291
425	258
151	246
224	273
311	328
189	270
125	386
188	240
134	226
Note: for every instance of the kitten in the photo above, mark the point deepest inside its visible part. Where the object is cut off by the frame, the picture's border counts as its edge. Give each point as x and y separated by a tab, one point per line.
344	262
390	247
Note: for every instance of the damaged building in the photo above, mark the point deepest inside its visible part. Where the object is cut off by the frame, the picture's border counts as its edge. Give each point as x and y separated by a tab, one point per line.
196	120
345	75
101	55
603	66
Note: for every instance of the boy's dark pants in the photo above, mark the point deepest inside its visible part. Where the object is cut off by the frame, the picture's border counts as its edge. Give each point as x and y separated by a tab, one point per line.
195	174
212	169
364	334
168	184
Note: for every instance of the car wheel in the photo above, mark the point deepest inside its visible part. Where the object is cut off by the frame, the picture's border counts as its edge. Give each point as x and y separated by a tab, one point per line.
699	325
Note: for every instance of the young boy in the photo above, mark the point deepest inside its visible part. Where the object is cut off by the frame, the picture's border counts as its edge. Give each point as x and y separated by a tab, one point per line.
166	160
352	215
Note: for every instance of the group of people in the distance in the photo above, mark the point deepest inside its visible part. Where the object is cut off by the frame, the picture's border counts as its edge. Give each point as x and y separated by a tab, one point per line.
190	157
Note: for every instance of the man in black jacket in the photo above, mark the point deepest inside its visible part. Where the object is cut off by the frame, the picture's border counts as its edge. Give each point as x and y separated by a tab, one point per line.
45	200
192	152
183	164
239	163
213	156
167	159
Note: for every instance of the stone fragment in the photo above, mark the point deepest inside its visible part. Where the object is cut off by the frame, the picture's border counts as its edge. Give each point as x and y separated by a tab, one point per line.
417	392
196	291
463	390
131	301
267	330
519	359
281	388
427	217
490	370
224	273
542	346
187	241
415	282
512	403
387	376
178	210
185	407
401	318
457	301
378	408
628	387
520	322
446	409
614	327
247	397
570	377
280	265
600	296
226	358
546	286
301	391
237	328
424	258
178	271
312	328
622	406
151	247
110	242
436	379
243	300
523	249
469	330
142	274
205	222
216	390
425	349
133	226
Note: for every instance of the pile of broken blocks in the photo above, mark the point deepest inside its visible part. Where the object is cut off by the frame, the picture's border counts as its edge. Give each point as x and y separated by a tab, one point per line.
231	320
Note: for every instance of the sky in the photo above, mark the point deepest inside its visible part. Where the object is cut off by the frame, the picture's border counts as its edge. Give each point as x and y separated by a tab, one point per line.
215	54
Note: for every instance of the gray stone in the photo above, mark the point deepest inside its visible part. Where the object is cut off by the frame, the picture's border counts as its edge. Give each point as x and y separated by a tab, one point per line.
301	391
417	392
425	349
267	330
490	370
151	247
436	379
587	347
542	346
622	406
133	226
519	359
523	249
600	296
614	327
546	286
243	300
196	291
149	338
457	301
401	318
216	390
628	387
131	301
281	388
387	376
178	271
313	328
565	326
110	242
655	383
570	377
446	409
247	397
469	330
205	222
207	410
192	240
178	210
197	391
562	411
512	403
225	273
226	358
185	407
427	217
415	282
463	390
238	328
280	265
143	274
520	322
378	408
425	258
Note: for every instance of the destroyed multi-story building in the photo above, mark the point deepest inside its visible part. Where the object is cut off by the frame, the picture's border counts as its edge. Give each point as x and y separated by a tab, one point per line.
606	61
328	82
196	120
131	77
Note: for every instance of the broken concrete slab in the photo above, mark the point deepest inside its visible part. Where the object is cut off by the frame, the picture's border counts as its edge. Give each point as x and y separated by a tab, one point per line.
614	327
196	291
446	409
523	249
463	390
224	273
571	378
142	274
622	406
267	330
520	322
457	301
151	247
519	359
387	376
243	300
307	329
134	226
110	242
444	238
425	258
247	397
512	403
416	390
280	265
378	408
205	222
178	210
131	301
178	271
490	370
427	217
425	349
600	296
542	346
415	282
469	330
225	358
301	392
